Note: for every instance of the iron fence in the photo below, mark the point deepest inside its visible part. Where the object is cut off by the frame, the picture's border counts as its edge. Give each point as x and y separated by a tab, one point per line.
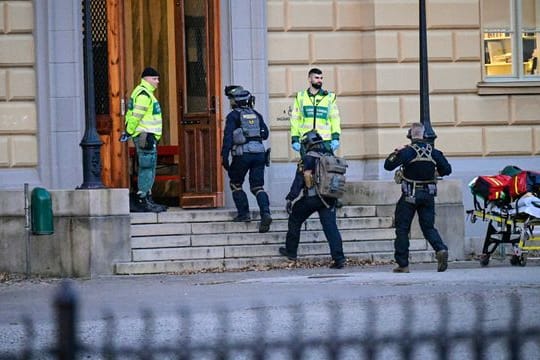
513	339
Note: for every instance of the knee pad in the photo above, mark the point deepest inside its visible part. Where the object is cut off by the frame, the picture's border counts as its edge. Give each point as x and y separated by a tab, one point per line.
256	190
235	187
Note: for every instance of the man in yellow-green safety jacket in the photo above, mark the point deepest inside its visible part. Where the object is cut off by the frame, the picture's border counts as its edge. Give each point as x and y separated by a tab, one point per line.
144	124
315	108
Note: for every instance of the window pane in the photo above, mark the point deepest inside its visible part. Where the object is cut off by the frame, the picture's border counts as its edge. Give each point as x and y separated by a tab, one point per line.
530	23
498	53
530	15
530	53
496	14
196	59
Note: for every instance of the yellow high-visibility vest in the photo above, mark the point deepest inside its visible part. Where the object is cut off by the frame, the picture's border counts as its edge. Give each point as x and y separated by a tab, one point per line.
318	112
144	111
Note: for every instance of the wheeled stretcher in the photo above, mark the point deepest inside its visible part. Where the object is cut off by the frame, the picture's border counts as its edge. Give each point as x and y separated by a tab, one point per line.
517	223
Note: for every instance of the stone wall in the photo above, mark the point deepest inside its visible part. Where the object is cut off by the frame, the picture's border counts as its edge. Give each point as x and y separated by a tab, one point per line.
91	233
368	51
18	120
450	213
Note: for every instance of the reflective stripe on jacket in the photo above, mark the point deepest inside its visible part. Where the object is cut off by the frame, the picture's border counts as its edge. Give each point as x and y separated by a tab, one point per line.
144	111
320	109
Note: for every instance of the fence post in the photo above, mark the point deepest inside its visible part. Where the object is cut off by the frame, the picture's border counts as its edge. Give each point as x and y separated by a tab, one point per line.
65	304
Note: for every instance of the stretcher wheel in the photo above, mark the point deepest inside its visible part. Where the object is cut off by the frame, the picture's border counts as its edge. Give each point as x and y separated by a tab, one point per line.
514	260
522	260
484	259
518	260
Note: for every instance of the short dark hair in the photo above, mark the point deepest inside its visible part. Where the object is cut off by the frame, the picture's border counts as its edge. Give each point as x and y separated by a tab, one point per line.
315	71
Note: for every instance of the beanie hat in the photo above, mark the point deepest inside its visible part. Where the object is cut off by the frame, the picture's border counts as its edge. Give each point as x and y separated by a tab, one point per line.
149	72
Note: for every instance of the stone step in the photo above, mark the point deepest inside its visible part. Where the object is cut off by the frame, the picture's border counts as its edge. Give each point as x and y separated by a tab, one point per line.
146	242
190	240
178	215
227	227
240	251
180	266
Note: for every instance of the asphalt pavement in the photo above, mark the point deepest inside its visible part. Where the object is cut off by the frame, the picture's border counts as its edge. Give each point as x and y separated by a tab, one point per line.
329	299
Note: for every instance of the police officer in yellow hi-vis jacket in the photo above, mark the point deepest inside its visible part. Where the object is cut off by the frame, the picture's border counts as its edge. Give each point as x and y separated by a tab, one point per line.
144	125
315	109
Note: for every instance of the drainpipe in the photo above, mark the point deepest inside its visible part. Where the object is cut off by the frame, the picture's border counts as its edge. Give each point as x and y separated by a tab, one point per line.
27	230
429	134
90	143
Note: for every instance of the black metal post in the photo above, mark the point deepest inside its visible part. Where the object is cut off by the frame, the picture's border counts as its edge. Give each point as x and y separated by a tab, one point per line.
429	134
90	143
65	303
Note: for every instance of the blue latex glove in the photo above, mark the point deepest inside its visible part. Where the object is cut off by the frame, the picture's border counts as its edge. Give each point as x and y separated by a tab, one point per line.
296	146
335	145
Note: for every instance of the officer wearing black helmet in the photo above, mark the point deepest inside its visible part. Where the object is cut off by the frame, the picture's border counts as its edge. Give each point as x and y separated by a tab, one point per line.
243	138
311	202
420	165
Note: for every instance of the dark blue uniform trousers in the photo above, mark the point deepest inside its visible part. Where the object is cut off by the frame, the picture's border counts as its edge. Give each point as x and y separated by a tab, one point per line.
425	206
254	163
302	210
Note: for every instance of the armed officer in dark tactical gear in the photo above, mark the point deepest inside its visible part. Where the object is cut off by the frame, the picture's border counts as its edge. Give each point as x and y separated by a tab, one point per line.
311	202
421	164
243	138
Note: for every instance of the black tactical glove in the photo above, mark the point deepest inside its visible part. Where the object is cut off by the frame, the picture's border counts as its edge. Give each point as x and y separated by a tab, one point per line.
225	162
288	207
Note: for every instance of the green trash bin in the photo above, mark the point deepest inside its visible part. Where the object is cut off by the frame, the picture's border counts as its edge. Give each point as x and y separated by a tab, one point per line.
41	212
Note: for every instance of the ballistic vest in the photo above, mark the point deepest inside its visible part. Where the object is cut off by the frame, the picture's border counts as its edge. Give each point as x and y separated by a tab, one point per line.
251	128
422	167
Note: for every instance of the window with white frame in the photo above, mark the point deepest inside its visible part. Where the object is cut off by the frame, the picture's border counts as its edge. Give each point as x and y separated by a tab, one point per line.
511	34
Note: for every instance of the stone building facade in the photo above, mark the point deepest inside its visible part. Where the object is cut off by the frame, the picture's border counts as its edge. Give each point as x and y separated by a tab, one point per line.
368	50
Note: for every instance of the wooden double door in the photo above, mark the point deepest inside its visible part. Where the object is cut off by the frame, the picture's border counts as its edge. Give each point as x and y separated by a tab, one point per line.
180	38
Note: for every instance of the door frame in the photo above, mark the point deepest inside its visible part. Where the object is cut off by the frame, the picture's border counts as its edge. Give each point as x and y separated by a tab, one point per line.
214	198
114	154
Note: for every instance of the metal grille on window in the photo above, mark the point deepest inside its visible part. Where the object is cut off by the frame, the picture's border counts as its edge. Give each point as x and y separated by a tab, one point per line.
98	10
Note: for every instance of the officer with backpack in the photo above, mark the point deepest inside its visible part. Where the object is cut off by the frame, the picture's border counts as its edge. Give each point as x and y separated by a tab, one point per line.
243	138
315	198
421	164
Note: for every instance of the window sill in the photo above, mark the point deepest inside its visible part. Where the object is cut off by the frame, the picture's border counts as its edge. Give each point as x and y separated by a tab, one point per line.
509	88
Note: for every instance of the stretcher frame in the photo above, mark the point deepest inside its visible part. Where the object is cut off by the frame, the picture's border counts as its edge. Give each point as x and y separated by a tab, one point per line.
506	227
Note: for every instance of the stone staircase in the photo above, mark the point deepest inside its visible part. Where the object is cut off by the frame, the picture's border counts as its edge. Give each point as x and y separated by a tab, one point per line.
191	240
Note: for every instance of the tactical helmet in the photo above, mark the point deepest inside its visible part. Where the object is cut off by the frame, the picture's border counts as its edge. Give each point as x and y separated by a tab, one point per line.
311	138
241	98
231	89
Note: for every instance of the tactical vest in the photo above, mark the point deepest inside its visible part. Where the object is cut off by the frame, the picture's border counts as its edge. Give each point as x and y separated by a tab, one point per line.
423	163
251	130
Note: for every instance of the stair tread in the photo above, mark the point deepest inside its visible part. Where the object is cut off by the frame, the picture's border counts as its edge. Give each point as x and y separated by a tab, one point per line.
179	215
171	266
196	239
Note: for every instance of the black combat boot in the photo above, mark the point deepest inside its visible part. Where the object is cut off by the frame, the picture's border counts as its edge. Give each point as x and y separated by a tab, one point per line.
264	206
151	201
264	225
143	205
